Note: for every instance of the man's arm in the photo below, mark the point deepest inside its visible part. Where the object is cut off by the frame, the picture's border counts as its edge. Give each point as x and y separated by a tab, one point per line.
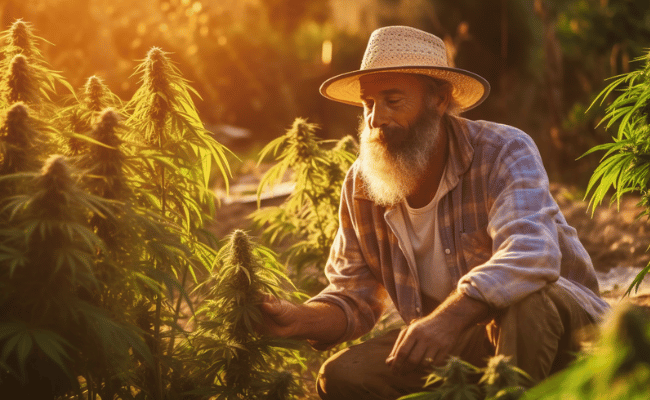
428	340
316	321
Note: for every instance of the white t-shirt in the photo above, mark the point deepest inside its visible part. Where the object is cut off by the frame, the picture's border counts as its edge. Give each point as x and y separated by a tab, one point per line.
418	227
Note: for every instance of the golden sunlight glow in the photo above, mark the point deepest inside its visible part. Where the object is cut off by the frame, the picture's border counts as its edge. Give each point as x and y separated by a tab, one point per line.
326	55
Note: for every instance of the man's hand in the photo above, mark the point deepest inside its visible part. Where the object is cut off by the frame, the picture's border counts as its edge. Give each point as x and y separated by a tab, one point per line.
316	321
428	341
424	342
280	317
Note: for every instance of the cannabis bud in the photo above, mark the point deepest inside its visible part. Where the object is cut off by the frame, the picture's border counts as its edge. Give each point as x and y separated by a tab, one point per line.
500	375
347	143
303	137
104	129
106	162
20	38
241	258
53	184
56	173
156	68
281	385
19	150
16	125
19	82
156	83
95	93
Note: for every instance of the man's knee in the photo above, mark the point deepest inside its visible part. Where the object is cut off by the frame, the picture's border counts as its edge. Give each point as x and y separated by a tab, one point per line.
540	332
361	372
329	378
339	376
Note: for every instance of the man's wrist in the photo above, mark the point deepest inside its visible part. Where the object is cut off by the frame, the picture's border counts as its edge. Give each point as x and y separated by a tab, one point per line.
320	322
459	311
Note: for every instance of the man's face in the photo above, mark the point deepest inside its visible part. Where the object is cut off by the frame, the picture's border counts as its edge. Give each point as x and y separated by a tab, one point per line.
391	104
398	135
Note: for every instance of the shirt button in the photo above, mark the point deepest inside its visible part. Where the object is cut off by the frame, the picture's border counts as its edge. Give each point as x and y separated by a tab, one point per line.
447	251
418	309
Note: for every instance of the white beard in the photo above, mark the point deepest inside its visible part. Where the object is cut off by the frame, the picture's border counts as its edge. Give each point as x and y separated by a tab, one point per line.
392	175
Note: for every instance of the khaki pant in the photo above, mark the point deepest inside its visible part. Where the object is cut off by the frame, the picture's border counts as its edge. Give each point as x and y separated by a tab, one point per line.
540	334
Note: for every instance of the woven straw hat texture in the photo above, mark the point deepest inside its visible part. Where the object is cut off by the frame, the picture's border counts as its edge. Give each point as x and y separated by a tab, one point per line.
407	50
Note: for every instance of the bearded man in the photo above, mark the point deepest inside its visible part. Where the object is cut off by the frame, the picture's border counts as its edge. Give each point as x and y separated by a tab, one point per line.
451	220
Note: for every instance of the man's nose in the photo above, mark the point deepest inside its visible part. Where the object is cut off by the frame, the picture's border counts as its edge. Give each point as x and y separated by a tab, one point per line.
378	117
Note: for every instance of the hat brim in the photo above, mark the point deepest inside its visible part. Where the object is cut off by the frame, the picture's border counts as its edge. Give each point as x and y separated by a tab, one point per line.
469	89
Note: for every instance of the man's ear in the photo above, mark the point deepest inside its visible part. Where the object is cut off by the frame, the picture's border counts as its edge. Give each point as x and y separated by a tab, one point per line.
441	101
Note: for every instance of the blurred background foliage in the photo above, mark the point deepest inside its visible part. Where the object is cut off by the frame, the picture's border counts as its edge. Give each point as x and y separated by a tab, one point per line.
258	63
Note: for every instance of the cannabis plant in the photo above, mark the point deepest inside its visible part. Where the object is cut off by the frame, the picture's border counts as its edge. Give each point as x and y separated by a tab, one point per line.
176	157
228	357
503	381
617	367
625	167
135	239
181	152
77	119
308	218
25	74
50	330
459	380
454	380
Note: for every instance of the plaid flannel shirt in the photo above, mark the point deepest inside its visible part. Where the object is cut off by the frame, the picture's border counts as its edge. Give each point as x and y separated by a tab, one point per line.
503	235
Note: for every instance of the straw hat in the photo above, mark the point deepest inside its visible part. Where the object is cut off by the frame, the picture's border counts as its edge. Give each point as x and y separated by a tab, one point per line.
408	50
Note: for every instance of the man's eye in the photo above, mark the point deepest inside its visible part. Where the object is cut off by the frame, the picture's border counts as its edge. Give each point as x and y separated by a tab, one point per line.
392	101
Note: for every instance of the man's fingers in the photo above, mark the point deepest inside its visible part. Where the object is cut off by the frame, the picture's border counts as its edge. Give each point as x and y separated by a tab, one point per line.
429	358
402	353
271	305
415	357
440	357
396	346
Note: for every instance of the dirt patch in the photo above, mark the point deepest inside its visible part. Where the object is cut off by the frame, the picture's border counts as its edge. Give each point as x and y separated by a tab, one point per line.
613	236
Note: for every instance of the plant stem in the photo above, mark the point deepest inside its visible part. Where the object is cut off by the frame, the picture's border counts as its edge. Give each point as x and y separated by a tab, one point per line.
158	351
177	311
89	387
319	221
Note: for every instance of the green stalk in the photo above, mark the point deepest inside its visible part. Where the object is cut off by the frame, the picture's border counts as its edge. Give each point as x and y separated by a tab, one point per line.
177	309
159	114
157	321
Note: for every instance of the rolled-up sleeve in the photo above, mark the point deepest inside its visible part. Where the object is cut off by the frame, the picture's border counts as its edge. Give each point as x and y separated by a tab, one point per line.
525	251
352	285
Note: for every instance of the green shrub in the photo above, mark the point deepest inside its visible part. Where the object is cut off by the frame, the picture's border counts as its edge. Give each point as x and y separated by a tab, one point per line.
307	220
625	167
227	358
